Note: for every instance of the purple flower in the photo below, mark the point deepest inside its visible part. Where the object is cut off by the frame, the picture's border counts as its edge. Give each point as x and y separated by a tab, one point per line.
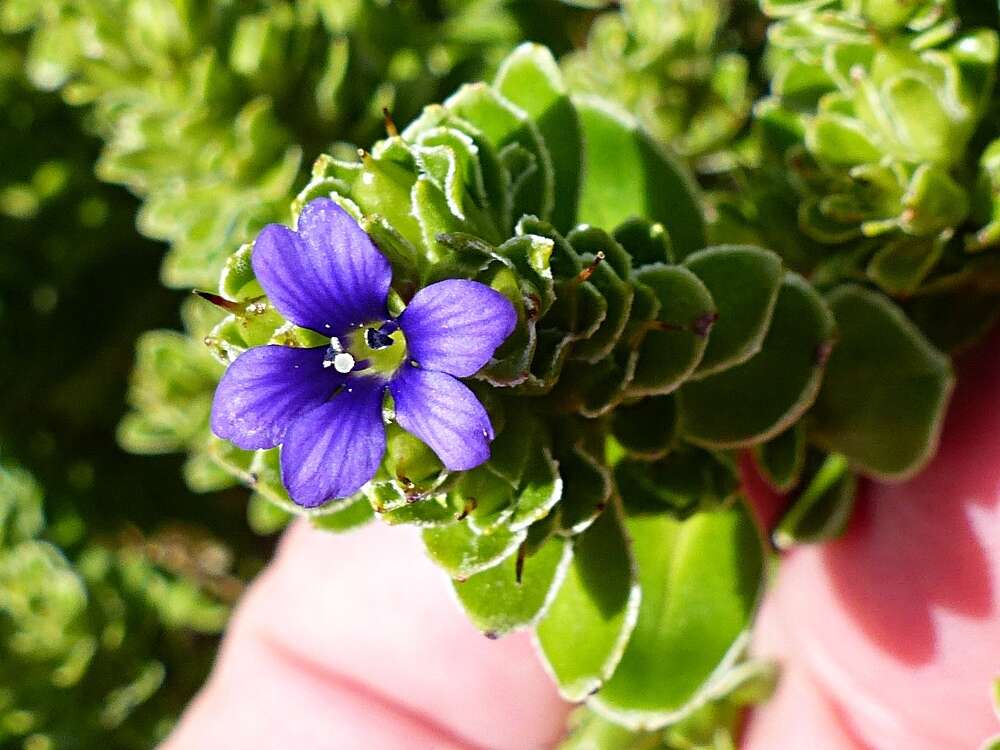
323	405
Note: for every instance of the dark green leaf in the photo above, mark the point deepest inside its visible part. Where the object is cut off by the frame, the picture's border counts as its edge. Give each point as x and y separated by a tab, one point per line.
760	398
670	349
782	458
586	489
647	242
821	512
618	295
886	388
686	480
646	428
744	283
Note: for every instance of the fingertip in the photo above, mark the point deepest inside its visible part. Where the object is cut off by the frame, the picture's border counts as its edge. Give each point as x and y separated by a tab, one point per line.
367	614
800	714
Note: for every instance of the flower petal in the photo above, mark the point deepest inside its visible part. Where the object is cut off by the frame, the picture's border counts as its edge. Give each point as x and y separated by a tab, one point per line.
443	413
328	276
334	449
265	389
454	326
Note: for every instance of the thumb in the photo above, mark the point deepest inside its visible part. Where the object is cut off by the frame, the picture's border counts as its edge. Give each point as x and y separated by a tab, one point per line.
898	621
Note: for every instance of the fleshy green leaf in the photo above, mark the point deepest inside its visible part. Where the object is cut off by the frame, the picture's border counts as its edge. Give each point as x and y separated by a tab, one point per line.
410	461
885	391
237	280
744	283
672	347
530	78
647	428
902	265
821	512
626	175
933	202
763	396
490	503
497	603
888	15
540	488
587	488
348	515
700	580
910	99
510	131
265	479
686	480
718	722
647	242
588	730
265	517
435	510
841	141
585	629
463	553
782	458
612	283
955	319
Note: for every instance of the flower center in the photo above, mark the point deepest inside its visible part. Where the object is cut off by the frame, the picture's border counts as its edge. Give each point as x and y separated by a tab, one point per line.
374	348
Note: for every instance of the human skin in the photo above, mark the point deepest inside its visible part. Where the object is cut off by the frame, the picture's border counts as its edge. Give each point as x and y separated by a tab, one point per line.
356	642
888	638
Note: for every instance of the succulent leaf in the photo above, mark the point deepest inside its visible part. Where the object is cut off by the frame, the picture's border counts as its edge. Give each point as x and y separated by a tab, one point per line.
756	400
821	511
700	581
584	631
885	391
499	600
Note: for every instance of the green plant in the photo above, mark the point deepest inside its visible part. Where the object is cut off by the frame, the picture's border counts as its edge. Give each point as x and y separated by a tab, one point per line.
101	643
641	362
208	107
677	67
795	320
864	161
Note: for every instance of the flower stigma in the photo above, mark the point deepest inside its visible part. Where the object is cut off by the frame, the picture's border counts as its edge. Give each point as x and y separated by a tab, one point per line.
340	360
377	348
343	362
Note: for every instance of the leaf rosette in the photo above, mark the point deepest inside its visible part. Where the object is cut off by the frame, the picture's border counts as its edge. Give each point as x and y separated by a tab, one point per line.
641	360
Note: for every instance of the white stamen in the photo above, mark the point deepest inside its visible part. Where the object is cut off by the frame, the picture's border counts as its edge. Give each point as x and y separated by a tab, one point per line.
343	362
335	344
